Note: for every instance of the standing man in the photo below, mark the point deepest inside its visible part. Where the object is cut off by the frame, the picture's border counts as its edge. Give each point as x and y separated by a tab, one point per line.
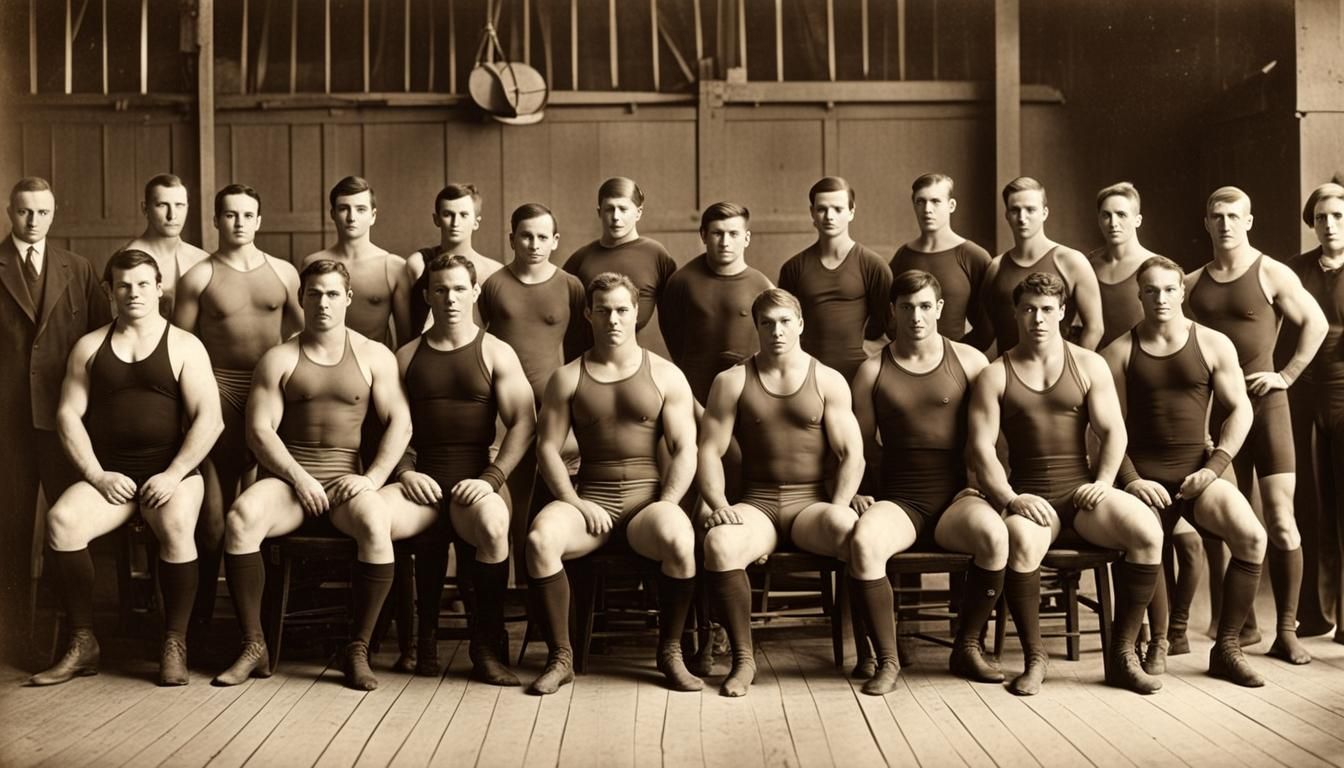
1245	294
379	279
1043	394
1026	209
309	397
51	298
1317	405
959	264
621	401
458	378
139	412
1117	265
1166	369
842	286
165	207
706	307
914	395
240	302
790	414
457	216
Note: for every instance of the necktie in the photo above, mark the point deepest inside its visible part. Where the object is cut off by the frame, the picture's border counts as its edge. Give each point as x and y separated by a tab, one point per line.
30	265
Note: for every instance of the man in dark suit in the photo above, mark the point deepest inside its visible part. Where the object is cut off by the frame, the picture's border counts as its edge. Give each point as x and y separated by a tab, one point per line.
49	297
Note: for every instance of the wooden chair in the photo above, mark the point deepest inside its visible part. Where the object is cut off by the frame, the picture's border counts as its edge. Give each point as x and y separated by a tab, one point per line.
287	567
914	604
1060	597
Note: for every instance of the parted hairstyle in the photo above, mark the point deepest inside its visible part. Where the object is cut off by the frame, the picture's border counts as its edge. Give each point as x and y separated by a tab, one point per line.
913	281
829	184
162	180
1228	194
457	191
1025	184
528	211
322	267
1120	189
1158	262
450	260
1326	191
30	184
929	179
721	211
610	281
620	186
774	297
235	189
352	185
1040	284
128	259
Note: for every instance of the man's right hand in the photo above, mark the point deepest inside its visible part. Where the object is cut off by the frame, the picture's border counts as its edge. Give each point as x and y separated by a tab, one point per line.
115	487
420	488
1032	507
722	516
1150	493
597	519
312	496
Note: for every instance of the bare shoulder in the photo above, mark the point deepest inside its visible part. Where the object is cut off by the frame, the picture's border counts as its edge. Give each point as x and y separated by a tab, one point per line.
1193	276
197	277
993	377
666	373
831	382
731	380
1278	276
88	343
1117	352
1215	346
370	351
496	350
287	271
868	369
185	343
1090	364
278	361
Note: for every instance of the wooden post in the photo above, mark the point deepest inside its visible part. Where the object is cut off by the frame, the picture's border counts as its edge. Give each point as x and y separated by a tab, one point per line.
1007	101
452	47
830	39
326	46
32	46
611	45
69	51
653	41
742	34
430	27
366	46
699	33
900	39
104	21
711	141
779	41
205	119
144	47
527	32
242	54
293	45
864	34
406	47
574	45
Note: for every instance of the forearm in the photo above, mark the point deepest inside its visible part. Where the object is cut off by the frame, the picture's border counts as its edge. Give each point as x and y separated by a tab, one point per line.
679	475
78	446
391	450
556	474
272	454
993	480
200	438
1111	454
1235	429
511	451
847	478
1307	344
709	478
1091	334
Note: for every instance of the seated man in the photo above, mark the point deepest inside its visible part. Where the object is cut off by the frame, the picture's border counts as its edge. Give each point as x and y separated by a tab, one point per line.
914	394
309	397
621	401
1044	393
790	414
1166	369
458	377
132	389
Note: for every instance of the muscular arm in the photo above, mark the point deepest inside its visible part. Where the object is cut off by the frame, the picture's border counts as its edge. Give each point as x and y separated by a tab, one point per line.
672	318
1300	309
1229	387
1105	416
864	381
292	321
877	286
552	429
842	430
513	398
265	408
74	404
983	427
1086	295
187	303
389	402
1116	356
200	402
401	298
716	434
678	429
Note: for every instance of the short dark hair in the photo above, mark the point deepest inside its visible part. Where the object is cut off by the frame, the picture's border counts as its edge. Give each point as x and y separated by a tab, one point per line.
610	281
351	185
30	184
913	281
528	211
929	179
1040	284
1120	189
721	211
620	186
162	180
457	191
1324	192
235	189
830	184
323	267
445	261
128	259
1024	184
1158	262
771	298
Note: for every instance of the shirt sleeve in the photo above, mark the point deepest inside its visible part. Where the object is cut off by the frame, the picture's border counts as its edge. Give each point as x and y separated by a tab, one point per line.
877	284
578	335
487	301
977	262
672	317
788	274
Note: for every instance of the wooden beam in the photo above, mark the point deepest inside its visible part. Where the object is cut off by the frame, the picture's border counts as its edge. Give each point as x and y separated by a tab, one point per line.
32	46
527	32
742	34
205	119
682	64
711	143
326	46
293	45
779	41
406	46
830	39
1007	100
104	46
653	42
574	45
144	46
452	47
612	50
264	49
430	27
366	46
699	33
242	54
864	34
878	92
69	51
900	39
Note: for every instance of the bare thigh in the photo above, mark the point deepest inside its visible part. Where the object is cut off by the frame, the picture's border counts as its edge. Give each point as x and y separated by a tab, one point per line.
734	546
408	517
174	523
972	526
1123	522
81	514
267	509
1224	512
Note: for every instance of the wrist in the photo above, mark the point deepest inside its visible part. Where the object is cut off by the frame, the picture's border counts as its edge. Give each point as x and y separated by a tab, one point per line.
494	477
1218	461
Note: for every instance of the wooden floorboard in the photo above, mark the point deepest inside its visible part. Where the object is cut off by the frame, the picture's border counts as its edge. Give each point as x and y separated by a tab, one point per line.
801	712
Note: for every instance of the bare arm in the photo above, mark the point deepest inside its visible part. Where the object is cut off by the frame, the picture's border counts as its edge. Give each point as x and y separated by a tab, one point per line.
200	403
1300	309
1229	387
552	428
292	321
389	402
70	417
513	397
401	298
983	428
265	408
842	430
678	429
716	434
865	379
187	303
1086	296
1105	416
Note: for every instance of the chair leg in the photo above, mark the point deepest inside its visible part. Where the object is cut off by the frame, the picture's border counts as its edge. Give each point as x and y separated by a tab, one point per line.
1104	597
584	605
834	600
527	638
279	600
1072	641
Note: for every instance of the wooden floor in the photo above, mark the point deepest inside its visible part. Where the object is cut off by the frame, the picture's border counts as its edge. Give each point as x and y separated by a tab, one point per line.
801	711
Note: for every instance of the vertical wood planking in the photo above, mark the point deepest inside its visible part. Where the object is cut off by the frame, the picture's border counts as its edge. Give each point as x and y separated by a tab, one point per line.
326	46
612	49
32	46
69	51
699	34
864	32
900	39
144	47
205	117
1007	101
406	46
653	41
527	32
779	41
830	39
742	34
430	26
242	54
103	21
452	47
293	45
366	45
574	45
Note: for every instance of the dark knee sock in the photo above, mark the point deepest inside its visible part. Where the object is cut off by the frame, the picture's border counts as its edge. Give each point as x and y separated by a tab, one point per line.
207	583
1285	576
403	596
674	602
879	614
492	582
246	575
1189	551
978	599
732	600
1240	585
75	570
1159	609
549	603
177	582
1134	585
431	565
371	584
1022	592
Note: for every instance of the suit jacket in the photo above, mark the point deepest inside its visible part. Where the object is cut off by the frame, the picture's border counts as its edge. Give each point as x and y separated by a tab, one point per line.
34	348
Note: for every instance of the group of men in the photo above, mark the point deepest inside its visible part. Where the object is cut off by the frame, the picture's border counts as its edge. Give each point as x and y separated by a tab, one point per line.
368	392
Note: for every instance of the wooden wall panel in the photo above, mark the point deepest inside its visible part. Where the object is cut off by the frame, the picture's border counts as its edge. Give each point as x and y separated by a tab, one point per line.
121	149
774	162
77	170
37	149
1322	158
261	158
305	167
474	153
403	162
11	153
528	175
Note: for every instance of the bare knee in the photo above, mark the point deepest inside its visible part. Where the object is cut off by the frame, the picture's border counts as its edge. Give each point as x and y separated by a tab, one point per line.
868	553
244	526
722	550
63	530
494	525
989	543
545	548
1027	545
176	531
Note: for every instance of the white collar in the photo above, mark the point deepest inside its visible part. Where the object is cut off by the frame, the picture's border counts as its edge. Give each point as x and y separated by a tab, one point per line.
22	247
